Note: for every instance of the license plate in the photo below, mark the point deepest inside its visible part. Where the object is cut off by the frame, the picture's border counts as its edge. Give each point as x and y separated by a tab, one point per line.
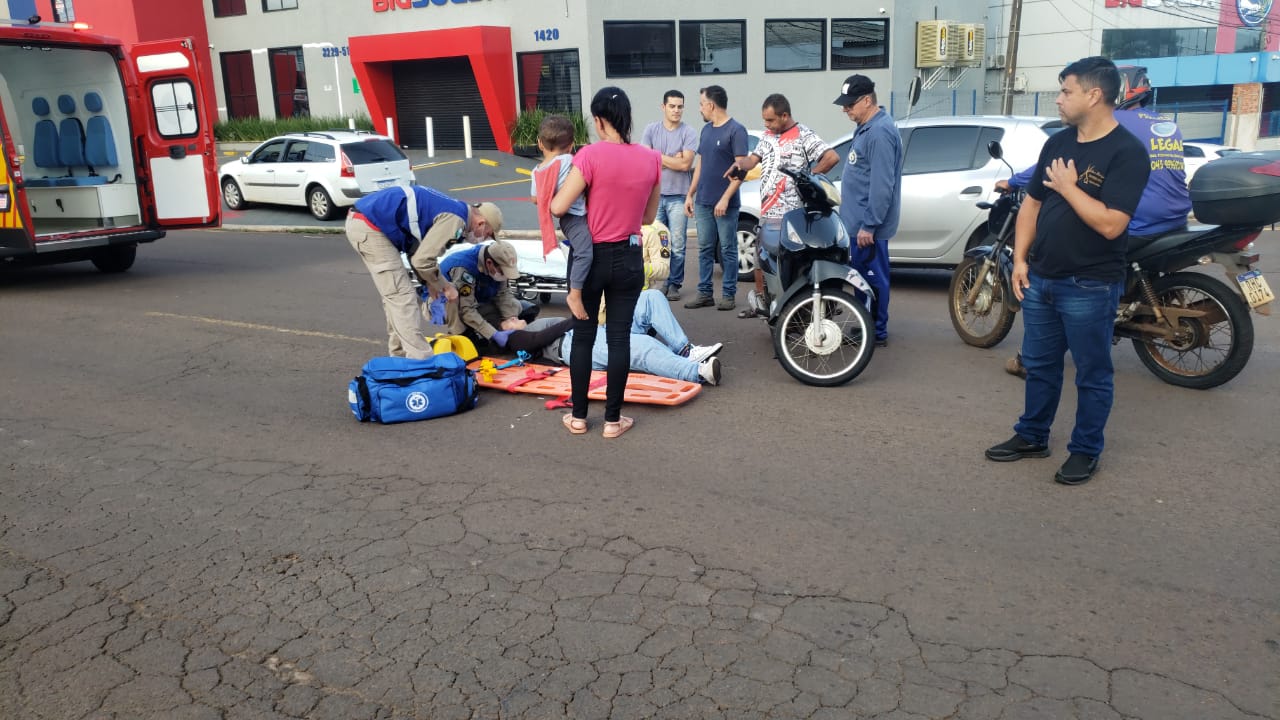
386	183
1255	288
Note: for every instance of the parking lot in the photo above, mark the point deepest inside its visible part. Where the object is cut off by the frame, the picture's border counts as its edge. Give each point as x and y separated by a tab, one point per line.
192	525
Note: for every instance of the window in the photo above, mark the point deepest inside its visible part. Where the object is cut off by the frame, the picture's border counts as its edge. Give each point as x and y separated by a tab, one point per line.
1248	40
319	152
858	44
1159	42
368	152
273	5
289	82
550	81
297	151
713	47
239	85
228	8
268	153
947	148
175	107
633	49
794	45
63	11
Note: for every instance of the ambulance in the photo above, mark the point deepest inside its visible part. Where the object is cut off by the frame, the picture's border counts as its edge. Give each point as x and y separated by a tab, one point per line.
102	146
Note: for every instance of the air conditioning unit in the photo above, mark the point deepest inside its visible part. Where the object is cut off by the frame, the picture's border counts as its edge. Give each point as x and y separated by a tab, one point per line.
995	62
934	45
1019	83
970	39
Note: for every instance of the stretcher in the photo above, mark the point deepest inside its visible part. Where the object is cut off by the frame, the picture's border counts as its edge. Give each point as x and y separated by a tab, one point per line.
536	379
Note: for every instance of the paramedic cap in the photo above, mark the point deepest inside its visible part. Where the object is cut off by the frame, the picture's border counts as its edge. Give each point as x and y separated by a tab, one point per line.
491	214
855	86
503	254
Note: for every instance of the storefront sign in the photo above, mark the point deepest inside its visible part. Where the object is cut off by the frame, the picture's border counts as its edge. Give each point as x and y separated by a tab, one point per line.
1253	13
385	5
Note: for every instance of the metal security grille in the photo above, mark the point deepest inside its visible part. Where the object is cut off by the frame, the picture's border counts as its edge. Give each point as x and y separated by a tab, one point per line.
443	89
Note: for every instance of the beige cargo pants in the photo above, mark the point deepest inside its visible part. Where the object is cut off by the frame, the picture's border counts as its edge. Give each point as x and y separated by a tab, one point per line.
406	326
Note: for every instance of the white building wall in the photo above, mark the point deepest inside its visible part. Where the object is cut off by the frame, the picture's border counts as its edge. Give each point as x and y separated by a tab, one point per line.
580	25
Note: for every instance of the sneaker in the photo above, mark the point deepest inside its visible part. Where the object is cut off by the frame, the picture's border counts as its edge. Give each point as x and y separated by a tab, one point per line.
1077	469
1013	366
698	353
1015	448
709	371
701	301
727	304
882	342
672	292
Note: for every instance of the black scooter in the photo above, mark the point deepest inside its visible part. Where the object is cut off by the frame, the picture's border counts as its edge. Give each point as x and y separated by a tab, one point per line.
823	335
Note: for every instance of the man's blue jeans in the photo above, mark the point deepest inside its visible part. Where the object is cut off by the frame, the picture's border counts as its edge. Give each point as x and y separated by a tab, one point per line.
712	229
671	214
1061	314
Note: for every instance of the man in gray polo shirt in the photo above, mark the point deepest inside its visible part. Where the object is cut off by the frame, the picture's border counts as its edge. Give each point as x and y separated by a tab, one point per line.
677	143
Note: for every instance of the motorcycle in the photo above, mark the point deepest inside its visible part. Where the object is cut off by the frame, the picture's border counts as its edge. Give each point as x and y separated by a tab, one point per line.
1189	329
822	333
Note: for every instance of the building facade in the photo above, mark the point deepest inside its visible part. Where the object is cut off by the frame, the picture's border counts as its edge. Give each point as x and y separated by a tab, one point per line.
403	61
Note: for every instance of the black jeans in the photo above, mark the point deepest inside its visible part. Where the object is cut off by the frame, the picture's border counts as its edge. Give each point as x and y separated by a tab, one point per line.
617	274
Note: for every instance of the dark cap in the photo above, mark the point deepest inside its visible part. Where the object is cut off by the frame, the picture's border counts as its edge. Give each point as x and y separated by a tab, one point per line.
854	87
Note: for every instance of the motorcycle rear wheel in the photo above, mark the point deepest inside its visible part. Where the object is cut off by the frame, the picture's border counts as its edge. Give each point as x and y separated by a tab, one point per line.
1213	349
832	351
985	323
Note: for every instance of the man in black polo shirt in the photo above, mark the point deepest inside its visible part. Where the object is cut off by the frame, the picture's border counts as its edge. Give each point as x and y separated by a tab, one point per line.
1069	266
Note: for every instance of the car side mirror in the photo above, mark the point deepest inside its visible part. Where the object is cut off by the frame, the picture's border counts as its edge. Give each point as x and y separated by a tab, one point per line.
994	150
245	159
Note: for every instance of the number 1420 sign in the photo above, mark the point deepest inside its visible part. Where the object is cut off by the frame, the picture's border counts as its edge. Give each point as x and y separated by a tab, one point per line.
547	34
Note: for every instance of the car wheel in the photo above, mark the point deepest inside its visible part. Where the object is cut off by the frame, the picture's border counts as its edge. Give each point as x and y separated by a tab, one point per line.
232	196
320	204
115	258
746	249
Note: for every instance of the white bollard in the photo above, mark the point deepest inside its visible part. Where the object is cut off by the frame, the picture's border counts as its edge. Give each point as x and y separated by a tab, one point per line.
431	139
466	134
391	130
351	123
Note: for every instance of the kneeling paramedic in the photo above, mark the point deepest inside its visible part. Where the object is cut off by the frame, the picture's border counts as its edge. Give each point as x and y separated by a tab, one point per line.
486	305
420	222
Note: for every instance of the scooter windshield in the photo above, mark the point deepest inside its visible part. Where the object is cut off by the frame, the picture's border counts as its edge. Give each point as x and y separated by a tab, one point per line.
810	230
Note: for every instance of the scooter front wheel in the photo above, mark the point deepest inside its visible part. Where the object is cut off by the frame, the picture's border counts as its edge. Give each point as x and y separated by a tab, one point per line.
982	318
825	338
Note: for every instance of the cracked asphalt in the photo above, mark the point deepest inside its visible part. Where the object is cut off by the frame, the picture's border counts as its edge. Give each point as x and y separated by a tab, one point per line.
193	526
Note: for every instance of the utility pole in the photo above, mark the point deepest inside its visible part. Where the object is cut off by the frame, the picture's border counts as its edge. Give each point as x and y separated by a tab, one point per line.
1011	58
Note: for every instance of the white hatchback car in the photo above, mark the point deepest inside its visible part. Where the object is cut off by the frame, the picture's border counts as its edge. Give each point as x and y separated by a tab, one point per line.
1197	154
321	171
946	172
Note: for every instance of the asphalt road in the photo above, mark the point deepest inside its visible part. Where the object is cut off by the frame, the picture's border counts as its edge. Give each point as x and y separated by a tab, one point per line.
193	526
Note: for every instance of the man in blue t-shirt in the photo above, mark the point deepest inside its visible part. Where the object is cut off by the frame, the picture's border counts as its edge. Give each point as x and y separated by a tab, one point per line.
712	200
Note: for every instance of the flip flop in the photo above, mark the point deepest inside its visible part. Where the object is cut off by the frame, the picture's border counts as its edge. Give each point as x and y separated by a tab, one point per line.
614	429
577	426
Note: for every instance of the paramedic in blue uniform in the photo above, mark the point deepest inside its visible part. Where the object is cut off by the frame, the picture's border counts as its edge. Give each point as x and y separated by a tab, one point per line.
379	229
1165	202
486	305
871	190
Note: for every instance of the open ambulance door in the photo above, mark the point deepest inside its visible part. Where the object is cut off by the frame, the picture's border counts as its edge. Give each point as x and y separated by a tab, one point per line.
15	225
176	148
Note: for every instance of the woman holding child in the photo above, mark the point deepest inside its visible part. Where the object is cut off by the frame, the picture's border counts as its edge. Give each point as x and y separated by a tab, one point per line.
621	184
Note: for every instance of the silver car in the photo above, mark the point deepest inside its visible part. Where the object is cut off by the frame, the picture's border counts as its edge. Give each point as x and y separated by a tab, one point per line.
946	172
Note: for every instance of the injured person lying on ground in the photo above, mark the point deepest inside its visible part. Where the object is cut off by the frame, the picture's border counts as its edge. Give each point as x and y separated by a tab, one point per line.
666	353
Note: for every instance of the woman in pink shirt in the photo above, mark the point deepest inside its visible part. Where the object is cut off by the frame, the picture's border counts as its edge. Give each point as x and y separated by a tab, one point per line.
621	180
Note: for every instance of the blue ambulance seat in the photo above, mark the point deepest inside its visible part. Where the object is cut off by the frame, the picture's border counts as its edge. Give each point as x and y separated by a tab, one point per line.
99	143
71	146
46	143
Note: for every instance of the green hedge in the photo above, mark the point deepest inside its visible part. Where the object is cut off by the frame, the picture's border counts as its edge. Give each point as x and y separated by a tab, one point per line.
259	129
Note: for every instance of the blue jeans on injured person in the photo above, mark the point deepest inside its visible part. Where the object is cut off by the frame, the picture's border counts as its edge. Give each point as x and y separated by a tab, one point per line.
713	230
671	214
1061	314
653	355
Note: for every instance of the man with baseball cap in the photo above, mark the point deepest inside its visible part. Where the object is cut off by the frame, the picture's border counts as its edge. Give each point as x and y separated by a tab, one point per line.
871	190
486	306
422	223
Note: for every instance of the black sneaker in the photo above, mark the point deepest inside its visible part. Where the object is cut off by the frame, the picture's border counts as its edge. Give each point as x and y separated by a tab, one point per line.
701	301
1077	469
1015	448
